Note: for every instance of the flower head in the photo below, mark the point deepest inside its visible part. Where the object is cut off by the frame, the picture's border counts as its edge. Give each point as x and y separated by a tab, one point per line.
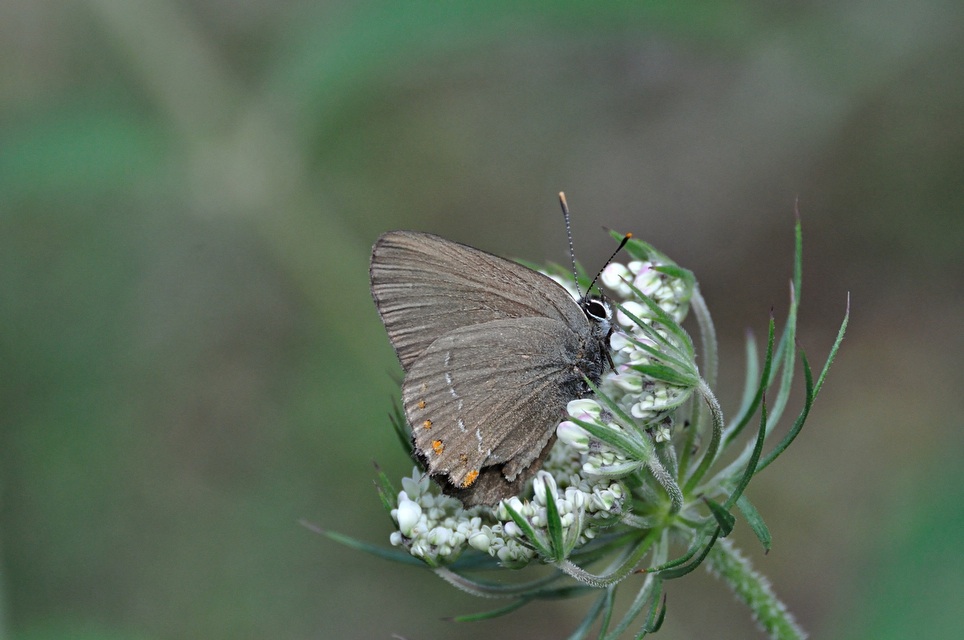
623	479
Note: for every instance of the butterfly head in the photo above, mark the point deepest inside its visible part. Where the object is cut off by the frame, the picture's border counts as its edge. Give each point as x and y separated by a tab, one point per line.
599	314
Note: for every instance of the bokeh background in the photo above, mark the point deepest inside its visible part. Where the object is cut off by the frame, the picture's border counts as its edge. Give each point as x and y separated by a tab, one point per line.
191	363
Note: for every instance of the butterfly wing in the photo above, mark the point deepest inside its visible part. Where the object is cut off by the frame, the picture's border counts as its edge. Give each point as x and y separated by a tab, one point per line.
425	286
484	401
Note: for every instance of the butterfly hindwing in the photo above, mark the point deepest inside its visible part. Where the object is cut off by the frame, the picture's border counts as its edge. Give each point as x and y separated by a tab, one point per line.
486	399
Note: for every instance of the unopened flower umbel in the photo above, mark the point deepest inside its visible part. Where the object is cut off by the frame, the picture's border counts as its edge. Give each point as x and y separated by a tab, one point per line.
644	463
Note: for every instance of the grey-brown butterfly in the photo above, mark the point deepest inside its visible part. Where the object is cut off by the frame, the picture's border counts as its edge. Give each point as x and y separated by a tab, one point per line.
492	353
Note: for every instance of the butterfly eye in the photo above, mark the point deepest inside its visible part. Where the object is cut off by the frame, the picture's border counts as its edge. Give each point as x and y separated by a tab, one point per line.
596	309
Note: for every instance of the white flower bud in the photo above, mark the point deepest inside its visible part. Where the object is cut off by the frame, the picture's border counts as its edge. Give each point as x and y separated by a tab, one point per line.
662	434
505	555
584	409
578	499
647	279
637	309
615	276
628	380
439	536
573	435
516	506
539	487
619	341
410	486
409	513
642	410
420	549
543	483
481	542
603	500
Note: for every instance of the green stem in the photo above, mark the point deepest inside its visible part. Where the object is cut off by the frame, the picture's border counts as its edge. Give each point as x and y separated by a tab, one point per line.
489	590
754	590
669	484
623	570
707	337
709	457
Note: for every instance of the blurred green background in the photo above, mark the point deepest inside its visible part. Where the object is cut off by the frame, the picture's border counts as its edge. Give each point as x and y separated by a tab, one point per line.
191	361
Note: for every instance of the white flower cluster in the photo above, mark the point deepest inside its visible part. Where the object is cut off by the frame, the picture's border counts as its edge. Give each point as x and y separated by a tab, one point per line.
598	458
671	294
648	400
581	472
433	526
437	529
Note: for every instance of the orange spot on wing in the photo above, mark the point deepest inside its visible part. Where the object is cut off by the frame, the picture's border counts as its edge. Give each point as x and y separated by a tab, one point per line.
438	447
421	404
470	478
427	424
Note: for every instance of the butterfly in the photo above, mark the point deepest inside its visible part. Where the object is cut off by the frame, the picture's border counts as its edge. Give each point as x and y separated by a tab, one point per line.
492	352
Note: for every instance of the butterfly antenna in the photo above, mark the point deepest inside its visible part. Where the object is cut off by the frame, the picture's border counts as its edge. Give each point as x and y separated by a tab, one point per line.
606	264
572	253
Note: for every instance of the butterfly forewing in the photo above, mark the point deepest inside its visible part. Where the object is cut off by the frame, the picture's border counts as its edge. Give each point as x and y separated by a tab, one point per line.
425	286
